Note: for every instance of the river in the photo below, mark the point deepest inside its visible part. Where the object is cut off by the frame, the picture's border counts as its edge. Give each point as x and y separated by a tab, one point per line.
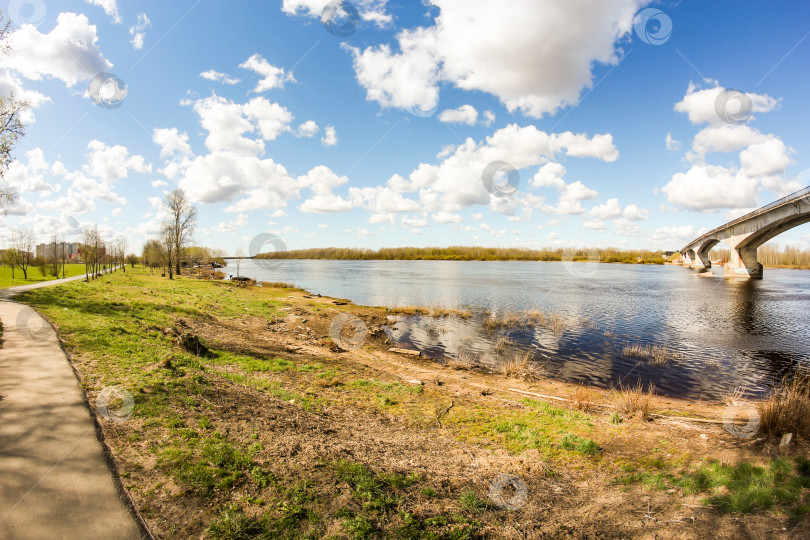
719	334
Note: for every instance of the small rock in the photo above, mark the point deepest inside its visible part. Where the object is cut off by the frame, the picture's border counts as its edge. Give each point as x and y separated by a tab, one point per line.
414	381
672	490
786	438
292	402
704	436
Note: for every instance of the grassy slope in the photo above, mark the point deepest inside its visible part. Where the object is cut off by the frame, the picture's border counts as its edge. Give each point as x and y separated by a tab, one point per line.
114	329
34	275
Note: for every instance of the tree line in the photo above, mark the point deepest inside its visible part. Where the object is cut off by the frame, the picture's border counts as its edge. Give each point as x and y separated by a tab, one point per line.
471	253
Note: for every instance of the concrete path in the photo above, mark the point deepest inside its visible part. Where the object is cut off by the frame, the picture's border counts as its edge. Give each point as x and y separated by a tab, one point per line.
54	481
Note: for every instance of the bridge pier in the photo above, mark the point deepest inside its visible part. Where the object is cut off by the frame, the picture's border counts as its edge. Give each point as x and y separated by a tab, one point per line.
743	263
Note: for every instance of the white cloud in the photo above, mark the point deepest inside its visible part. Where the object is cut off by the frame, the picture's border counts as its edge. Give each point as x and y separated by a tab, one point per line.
369	10
68	52
725	138
674	237
110	7
594	225
138	31
535	57
382	200
273	77
159	183
611	209
466	114
708	188
223	175
224	78
413	222
673	145
766	158
489	118
322	204
549	175
329	136
227	122
307	129
112	163
171	141
446	217
701	107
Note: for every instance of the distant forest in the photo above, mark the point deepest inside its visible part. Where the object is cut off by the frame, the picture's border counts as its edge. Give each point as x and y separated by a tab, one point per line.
461	253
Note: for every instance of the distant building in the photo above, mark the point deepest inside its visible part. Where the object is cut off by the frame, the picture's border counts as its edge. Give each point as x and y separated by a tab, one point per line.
46	250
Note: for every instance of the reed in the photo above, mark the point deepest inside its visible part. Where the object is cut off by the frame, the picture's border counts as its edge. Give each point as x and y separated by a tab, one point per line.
633	399
557	323
657	355
522	368
787	409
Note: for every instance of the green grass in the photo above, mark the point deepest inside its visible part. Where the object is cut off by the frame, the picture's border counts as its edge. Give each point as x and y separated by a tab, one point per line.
741	488
34	275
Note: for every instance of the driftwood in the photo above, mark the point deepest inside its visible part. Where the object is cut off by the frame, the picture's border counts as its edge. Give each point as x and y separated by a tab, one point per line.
405	351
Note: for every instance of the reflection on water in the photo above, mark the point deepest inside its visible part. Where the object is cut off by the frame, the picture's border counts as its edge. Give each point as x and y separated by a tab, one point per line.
722	333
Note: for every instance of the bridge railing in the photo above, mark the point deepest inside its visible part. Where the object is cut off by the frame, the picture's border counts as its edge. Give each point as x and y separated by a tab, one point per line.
804	192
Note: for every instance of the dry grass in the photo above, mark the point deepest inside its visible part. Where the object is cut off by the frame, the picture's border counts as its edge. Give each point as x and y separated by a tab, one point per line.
537	318
633	399
657	355
556	323
522	368
431	311
735	397
278	285
583	398
787	410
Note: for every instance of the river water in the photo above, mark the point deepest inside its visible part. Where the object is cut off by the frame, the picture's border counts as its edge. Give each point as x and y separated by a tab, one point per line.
718	333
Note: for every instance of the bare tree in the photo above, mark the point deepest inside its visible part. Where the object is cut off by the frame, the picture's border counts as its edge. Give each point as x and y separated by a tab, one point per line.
22	244
11	126
55	255
119	253
181	222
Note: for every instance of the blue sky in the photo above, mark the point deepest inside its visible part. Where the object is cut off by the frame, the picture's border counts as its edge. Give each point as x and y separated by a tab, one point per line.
621	132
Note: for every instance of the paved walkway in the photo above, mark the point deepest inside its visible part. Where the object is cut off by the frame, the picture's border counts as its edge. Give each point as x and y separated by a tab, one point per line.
54	481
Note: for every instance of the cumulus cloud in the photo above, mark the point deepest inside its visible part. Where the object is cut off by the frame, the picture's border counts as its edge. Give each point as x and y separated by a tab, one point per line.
709	188
611	209
700	105
272	76
112	163
535	57
171	141
329	136
227	122
466	114
68	52
673	145
307	129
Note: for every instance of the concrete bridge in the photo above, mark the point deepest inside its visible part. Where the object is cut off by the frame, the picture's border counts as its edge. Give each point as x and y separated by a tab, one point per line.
745	234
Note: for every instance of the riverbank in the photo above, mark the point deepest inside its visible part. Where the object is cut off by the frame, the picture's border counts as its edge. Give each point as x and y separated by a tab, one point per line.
248	414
